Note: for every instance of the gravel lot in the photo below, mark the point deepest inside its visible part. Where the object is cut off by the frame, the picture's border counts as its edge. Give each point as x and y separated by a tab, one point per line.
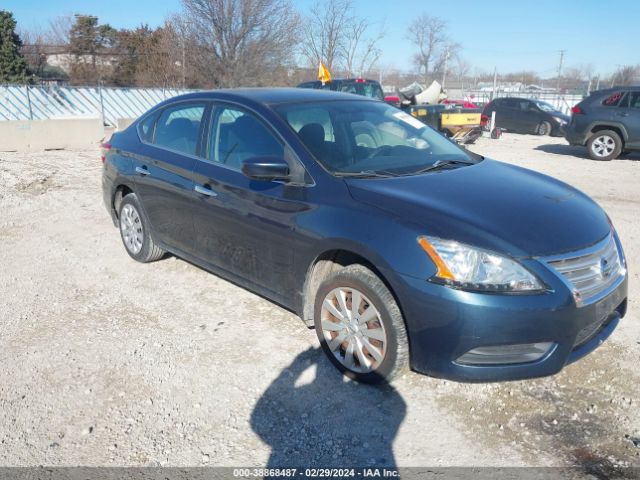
110	362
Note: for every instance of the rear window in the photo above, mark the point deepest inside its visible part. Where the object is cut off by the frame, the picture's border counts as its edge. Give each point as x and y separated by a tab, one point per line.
613	100
366	89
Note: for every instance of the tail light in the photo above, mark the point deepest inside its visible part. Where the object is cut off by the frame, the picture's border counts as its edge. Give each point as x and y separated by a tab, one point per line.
484	119
105	149
576	110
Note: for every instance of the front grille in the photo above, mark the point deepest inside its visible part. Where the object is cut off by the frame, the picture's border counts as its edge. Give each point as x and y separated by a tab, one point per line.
593	271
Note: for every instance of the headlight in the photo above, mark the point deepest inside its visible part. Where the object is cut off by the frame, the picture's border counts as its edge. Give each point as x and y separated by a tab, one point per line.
561	121
469	268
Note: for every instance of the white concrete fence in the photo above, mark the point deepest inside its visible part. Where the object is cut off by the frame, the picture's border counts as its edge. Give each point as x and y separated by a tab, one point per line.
37	118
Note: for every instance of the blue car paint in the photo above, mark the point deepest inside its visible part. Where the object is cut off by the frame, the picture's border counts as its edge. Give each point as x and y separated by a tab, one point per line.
273	234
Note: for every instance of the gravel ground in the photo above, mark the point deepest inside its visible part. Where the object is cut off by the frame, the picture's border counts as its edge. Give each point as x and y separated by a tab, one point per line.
110	362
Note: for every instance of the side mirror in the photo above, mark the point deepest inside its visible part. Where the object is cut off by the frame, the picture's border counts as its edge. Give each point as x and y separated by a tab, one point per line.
266	168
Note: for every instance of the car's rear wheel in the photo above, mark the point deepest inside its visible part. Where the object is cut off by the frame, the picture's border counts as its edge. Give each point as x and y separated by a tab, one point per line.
604	145
135	232
543	128
360	326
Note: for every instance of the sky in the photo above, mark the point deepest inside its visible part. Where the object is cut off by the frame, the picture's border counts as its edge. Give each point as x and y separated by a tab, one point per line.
511	36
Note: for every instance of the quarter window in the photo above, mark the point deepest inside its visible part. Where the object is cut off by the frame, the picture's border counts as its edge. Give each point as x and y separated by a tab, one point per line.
613	100
634	101
237	135
145	128
178	128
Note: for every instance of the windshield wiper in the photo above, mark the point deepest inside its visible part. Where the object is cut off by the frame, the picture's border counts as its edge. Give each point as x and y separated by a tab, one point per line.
439	165
367	174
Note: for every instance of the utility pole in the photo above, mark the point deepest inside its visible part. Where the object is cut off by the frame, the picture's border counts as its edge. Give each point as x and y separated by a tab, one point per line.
562	52
495	81
446	64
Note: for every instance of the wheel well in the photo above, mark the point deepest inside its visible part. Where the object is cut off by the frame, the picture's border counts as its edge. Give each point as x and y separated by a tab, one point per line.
121	192
599	128
323	266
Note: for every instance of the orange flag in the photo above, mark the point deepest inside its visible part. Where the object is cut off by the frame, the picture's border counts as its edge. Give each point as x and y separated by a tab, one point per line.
323	74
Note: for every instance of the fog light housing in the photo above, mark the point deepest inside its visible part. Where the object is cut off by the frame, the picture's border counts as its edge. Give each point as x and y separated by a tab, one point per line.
506	354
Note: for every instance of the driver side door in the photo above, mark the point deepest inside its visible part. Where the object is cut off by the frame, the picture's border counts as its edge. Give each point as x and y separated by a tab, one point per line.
245	226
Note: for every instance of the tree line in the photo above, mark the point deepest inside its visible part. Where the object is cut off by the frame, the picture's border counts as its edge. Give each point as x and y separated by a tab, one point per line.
230	43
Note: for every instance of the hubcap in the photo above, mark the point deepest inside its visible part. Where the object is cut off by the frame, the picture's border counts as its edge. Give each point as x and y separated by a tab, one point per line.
353	330
603	146
544	128
131	228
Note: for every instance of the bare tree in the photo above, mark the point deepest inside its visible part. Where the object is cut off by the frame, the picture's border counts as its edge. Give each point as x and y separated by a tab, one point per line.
60	30
334	35
626	75
429	35
34	49
325	36
241	42
361	52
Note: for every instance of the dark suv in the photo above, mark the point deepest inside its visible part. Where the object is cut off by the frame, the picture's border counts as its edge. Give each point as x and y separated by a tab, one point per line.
359	86
607	122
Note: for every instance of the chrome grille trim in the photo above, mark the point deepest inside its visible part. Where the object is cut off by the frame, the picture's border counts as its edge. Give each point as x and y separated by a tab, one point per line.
591	271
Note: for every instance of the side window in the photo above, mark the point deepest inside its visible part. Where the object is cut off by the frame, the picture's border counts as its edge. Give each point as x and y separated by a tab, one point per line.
525	105
145	128
510	103
237	135
178	127
613	100
634	101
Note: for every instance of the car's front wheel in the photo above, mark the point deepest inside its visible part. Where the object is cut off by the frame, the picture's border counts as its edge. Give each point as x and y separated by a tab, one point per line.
360	326
604	145
135	232
543	128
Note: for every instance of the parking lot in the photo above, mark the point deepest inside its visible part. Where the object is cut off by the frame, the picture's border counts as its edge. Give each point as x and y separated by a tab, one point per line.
106	361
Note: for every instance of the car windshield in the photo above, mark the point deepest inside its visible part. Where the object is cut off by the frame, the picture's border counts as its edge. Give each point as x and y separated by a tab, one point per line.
545	107
370	138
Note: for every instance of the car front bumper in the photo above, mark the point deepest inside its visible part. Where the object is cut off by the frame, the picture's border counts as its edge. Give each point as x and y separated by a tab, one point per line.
444	324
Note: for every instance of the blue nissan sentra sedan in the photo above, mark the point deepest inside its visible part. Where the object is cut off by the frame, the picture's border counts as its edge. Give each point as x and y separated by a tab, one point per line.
400	248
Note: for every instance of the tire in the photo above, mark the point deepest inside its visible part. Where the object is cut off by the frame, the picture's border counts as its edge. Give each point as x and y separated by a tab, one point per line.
374	347
604	145
543	128
135	232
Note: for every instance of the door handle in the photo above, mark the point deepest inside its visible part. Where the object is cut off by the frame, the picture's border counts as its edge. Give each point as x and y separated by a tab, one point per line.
142	170
205	191
623	114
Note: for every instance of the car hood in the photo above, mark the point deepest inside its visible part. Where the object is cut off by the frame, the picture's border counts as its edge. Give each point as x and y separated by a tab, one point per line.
491	205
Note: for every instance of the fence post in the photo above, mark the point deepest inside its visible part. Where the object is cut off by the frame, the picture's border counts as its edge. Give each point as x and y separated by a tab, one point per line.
101	102
29	103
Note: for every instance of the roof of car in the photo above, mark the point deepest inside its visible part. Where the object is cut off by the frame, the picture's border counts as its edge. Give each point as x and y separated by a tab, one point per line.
602	91
273	96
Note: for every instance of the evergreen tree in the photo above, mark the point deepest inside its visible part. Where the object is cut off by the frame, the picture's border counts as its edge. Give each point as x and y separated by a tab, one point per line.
13	67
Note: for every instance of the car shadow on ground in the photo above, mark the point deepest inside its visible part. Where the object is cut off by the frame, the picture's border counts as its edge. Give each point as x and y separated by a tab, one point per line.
577	151
311	417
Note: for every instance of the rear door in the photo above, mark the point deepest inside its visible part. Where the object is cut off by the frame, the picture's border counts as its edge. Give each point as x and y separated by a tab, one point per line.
241	225
528	116
164	172
629	115
504	113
